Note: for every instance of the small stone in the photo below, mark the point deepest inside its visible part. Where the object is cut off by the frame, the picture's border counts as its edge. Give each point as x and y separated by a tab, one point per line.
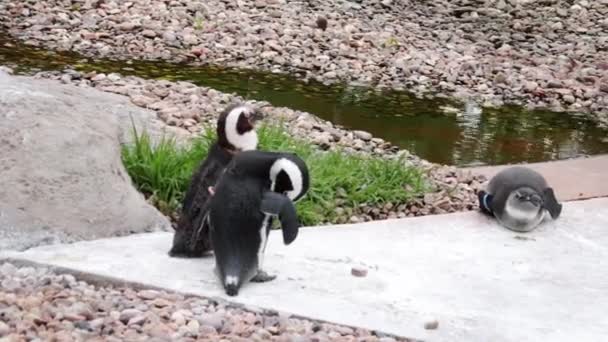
8	269
148	294
148	33
358	272
569	98
161	302
4	329
365	136
604	87
142	101
530	86
322	23
127	314
127	26
431	325
214	320
137	320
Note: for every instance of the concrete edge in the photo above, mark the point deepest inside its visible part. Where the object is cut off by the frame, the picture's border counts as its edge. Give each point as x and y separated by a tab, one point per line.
107	281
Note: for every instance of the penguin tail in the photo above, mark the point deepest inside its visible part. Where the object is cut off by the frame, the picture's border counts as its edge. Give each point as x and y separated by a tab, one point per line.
231	285
485	202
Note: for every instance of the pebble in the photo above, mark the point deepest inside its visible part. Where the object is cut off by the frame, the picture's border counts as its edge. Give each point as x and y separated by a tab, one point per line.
4	329
431	325
127	314
118	321
358	272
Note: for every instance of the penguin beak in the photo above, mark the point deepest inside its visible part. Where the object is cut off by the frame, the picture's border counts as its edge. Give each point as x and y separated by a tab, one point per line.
256	115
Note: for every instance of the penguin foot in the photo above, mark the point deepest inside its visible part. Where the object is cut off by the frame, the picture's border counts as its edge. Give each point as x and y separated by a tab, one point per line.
262	277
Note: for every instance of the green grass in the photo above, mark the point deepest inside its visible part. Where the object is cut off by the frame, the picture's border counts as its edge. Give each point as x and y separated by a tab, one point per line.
162	172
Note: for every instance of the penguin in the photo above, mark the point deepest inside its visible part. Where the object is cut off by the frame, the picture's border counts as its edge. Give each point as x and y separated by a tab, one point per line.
519	198
256	188
235	133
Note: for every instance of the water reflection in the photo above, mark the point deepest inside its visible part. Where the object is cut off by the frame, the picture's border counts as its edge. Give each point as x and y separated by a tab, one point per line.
438	130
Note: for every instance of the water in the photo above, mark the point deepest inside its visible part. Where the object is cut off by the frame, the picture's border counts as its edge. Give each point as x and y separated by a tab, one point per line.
438	130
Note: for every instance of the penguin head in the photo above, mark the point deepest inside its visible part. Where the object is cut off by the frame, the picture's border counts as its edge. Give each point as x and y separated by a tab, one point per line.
236	127
525	199
289	176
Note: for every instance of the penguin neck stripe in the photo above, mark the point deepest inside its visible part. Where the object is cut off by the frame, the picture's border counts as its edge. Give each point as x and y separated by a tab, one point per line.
485	202
293	172
245	141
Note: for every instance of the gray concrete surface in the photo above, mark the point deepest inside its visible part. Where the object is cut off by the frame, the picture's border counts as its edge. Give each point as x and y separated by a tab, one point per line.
572	179
480	281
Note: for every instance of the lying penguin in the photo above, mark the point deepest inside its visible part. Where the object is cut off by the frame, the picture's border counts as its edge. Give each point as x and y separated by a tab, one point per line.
519	198
256	187
235	133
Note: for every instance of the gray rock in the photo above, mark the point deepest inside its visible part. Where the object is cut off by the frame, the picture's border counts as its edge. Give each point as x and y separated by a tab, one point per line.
128	314
365	136
358	272
4	329
61	155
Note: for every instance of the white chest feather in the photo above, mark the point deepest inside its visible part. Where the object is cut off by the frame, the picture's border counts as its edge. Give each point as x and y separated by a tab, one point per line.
521	220
263	239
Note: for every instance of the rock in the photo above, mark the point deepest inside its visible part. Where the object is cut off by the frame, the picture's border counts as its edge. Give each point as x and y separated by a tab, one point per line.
604	87
4	329
569	98
137	320
142	101
148	33
358	272
214	320
322	23
365	136
148	294
530	86
72	134
431	325
7	269
128	314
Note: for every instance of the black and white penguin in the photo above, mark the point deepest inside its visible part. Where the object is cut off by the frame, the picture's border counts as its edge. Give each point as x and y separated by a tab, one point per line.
235	133
519	198
256	187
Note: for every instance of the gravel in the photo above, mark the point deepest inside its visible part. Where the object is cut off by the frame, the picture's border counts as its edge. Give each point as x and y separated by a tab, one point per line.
47	306
188	107
546	53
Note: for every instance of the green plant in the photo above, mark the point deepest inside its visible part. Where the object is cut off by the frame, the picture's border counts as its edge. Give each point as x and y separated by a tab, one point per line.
162	172
198	23
391	42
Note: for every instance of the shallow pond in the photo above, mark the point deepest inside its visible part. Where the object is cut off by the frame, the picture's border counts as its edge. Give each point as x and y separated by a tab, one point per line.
460	135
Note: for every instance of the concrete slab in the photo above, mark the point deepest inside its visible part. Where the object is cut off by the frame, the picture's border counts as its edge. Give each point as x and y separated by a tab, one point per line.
572	179
481	282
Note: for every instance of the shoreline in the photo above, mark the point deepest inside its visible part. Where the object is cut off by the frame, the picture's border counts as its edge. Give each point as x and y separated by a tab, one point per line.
187	108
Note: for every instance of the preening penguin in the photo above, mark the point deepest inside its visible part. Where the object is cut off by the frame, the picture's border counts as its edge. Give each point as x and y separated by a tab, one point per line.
256	187
519	198
235	133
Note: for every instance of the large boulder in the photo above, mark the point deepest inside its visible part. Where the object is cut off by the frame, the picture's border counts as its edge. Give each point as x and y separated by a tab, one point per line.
61	174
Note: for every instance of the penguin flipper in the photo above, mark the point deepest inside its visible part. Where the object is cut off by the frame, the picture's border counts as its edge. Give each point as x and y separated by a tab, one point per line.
551	204
485	202
280	205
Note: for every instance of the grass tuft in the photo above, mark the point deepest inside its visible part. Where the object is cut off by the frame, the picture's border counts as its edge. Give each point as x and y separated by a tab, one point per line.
162	172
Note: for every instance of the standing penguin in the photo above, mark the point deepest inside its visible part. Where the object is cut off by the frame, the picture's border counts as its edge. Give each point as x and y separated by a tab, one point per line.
256	187
519	198
235	133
